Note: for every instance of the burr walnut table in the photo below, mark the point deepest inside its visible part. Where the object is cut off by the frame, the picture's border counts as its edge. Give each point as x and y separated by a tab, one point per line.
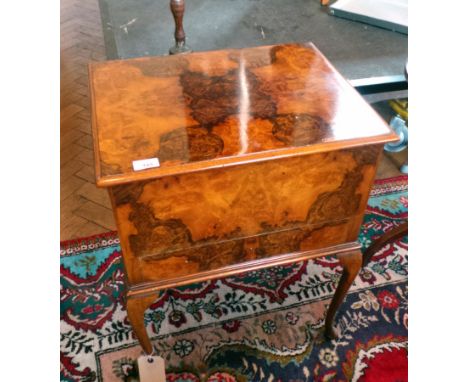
251	158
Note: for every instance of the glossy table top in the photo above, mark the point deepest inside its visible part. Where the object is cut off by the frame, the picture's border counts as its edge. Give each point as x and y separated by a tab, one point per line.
212	109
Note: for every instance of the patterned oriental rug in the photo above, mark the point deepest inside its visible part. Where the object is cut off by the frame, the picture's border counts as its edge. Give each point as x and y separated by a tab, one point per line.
259	326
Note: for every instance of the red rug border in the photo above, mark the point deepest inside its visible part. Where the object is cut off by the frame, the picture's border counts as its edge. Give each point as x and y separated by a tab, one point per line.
66	244
394	179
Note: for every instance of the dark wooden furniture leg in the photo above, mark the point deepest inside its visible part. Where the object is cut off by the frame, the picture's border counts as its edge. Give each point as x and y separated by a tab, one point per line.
351	263
388	237
178	9
136	307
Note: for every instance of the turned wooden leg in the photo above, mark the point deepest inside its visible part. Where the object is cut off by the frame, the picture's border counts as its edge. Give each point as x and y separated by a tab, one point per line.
351	263
136	307
388	237
178	9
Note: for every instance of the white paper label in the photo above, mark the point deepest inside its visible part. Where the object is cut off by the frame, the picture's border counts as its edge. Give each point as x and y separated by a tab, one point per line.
151	369
143	164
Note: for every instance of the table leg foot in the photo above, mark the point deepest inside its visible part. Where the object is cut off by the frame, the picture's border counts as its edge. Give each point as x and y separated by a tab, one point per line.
180	49
351	262
331	334
136	307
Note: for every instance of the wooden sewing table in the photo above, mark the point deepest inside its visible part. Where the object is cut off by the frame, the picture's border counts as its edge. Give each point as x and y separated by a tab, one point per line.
265	156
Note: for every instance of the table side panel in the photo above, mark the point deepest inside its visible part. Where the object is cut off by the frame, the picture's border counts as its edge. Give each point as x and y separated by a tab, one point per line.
180	225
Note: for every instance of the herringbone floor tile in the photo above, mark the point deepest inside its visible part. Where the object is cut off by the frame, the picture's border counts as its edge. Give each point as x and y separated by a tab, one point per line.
84	209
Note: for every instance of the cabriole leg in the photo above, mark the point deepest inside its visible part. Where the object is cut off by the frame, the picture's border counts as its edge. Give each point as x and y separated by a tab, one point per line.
351	262
136	307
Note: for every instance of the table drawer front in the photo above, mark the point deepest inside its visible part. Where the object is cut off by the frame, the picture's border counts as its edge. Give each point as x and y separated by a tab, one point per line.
221	256
229	205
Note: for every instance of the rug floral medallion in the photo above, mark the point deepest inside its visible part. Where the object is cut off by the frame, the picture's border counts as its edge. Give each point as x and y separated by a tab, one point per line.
265	325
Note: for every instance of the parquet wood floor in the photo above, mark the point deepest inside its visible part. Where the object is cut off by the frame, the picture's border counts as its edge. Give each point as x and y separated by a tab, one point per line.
84	209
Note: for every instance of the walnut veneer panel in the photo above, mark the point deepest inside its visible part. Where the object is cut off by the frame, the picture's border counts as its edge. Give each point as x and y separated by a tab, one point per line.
190	223
212	109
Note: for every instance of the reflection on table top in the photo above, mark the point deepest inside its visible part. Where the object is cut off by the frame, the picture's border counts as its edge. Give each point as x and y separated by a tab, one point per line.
223	107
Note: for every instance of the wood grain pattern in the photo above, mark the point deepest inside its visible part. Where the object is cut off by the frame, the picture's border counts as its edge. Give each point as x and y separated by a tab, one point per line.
145	289
203	110
190	223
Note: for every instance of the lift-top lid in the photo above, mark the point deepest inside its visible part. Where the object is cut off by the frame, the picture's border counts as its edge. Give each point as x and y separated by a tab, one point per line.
158	116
